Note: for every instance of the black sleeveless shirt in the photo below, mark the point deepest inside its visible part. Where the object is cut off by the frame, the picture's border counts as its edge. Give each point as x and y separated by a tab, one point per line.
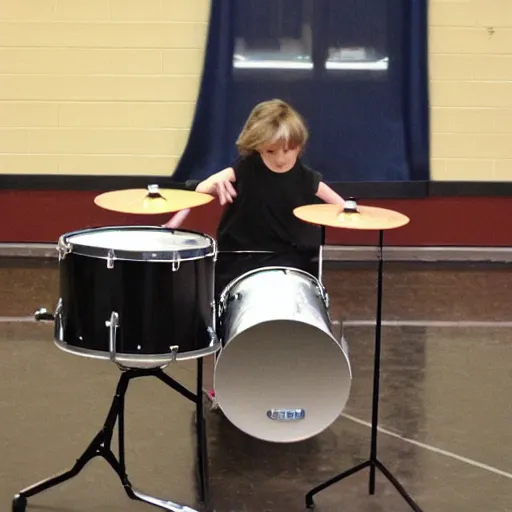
261	219
261	216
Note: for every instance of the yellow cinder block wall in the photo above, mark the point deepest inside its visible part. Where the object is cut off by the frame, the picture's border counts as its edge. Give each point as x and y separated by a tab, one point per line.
98	86
471	89
109	86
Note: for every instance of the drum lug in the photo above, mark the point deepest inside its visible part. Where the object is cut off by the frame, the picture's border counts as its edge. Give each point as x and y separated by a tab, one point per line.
176	260
213	308
112	325
214	340
110	259
59	328
323	294
63	248
174	352
43	315
225	297
215	251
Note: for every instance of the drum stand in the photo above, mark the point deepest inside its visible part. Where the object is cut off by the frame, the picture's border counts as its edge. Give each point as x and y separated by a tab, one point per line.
101	444
373	462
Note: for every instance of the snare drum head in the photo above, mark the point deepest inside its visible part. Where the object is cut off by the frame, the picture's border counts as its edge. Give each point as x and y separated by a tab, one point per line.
282	381
140	242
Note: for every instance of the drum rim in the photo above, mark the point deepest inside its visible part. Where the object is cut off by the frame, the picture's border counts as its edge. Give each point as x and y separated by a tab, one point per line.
65	246
344	357
140	360
227	289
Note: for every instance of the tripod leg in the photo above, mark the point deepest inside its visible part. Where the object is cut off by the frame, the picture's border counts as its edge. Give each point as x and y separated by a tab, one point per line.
182	390
373	462
197	398
202	445
138	495
119	466
376	371
371	483
328	483
121	473
99	445
398	486
120	432
90	453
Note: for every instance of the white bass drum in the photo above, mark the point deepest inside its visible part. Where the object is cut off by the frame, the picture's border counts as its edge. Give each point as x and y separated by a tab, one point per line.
281	375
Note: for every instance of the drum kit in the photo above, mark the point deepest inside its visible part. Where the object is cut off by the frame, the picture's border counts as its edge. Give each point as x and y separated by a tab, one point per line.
143	298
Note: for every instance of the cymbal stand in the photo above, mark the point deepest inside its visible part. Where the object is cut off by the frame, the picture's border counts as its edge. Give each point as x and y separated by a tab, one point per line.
321	255
373	462
101	444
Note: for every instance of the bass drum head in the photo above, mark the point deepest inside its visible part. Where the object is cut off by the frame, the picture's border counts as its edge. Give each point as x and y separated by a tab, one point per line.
140	243
138	239
285	369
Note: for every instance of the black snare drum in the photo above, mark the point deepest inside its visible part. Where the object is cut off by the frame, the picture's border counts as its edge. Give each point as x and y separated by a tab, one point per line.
140	296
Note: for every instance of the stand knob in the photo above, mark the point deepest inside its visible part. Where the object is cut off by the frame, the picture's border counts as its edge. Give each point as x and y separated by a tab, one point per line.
350	205
43	315
154	191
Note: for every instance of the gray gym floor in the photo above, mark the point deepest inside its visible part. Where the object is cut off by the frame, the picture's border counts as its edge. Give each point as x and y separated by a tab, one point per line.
446	407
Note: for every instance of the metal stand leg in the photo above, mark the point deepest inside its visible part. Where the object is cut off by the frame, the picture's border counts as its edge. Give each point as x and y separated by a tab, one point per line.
201	446
373	462
321	255
101	447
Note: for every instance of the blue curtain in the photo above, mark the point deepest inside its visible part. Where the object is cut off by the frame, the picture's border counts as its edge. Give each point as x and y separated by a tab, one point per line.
209	146
416	89
366	125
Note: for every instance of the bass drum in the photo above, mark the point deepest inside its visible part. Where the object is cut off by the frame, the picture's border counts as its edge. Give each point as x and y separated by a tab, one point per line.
141	296
281	375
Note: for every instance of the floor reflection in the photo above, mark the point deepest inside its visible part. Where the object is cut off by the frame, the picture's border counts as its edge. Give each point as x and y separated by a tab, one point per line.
445	400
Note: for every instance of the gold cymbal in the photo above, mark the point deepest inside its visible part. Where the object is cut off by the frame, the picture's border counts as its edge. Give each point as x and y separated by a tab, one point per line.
352	216
151	201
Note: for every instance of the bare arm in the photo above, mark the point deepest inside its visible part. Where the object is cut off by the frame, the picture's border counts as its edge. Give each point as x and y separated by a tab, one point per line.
327	194
219	184
177	219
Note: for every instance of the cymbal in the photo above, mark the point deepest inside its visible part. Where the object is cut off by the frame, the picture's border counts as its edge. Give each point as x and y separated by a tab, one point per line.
352	216
151	200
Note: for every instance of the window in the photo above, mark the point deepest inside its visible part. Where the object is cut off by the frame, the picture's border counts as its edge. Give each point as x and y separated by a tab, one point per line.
355	69
281	35
276	36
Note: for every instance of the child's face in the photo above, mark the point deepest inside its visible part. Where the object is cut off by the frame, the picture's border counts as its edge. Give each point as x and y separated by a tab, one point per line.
278	157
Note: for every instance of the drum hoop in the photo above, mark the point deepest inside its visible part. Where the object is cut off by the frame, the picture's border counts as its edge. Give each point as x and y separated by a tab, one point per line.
246	252
143	360
234	282
65	247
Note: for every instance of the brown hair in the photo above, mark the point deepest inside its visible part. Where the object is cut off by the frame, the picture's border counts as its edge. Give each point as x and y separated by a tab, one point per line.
269	122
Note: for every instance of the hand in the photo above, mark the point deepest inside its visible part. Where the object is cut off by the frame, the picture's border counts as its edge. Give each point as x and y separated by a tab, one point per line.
328	195
221	185
177	220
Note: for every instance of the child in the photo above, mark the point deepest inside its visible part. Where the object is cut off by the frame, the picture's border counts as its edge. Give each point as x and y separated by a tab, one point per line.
261	190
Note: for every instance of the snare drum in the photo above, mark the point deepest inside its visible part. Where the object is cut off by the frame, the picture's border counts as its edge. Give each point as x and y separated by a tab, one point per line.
281	374
140	296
